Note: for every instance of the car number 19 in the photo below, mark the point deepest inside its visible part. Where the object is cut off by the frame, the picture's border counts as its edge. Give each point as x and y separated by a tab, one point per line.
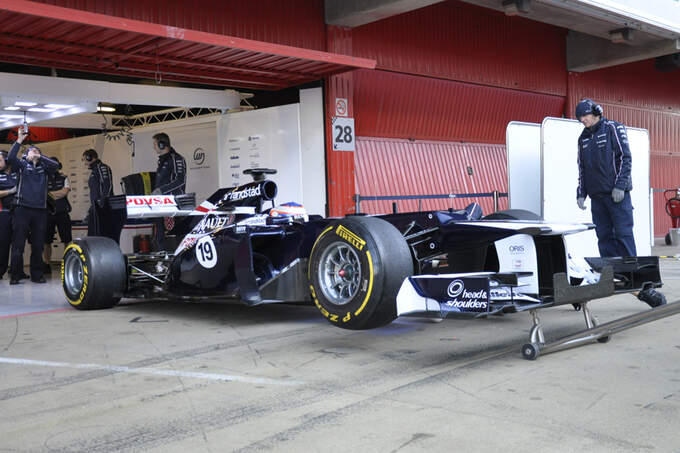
206	253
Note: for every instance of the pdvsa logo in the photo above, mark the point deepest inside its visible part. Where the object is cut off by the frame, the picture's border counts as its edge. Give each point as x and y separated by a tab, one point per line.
199	156
455	288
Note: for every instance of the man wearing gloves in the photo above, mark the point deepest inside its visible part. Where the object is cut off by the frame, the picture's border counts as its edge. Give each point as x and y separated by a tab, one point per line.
604	175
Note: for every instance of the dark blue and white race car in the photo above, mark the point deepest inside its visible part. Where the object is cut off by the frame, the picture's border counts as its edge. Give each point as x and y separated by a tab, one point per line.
360	271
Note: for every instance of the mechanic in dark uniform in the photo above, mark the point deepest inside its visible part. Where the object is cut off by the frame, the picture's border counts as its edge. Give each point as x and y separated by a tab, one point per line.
58	218
171	179
8	187
101	221
604	175
30	212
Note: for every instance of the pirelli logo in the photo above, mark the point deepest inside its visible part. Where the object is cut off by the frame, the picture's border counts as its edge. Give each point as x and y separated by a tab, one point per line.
350	237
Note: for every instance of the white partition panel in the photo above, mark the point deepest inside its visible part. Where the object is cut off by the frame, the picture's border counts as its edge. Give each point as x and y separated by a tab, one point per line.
523	147
269	138
196	140
559	180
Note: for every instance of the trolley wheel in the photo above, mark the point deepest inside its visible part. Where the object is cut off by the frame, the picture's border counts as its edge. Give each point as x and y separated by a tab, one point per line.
604	339
667	238
531	351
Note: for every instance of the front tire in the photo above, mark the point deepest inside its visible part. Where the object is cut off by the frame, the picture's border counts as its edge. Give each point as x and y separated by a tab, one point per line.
356	268
93	273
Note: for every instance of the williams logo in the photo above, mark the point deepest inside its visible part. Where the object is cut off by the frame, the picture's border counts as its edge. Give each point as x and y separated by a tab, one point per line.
350	237
199	156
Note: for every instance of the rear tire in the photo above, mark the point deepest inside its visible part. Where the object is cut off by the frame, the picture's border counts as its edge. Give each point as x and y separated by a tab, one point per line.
93	273
356	268
513	214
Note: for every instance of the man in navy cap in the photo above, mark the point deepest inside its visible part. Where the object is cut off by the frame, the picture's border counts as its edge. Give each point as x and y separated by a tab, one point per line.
604	175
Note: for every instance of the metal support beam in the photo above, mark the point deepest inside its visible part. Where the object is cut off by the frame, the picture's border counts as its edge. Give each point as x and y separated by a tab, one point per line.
587	53
353	13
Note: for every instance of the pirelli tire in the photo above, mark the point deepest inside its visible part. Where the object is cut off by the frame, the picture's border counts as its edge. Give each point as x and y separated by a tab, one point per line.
93	273
356	268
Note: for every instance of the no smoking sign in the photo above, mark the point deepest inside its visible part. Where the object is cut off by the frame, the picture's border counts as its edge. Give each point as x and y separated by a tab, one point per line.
340	107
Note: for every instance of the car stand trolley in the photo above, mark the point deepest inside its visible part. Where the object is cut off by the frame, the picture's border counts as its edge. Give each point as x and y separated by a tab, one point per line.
594	331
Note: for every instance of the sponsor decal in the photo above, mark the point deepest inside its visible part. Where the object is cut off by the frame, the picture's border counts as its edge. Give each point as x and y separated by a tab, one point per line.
199	156
210	223
515	249
455	288
245	193
350	237
158	200
461	295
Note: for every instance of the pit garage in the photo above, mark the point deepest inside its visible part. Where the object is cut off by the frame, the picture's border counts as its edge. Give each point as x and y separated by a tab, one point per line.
394	131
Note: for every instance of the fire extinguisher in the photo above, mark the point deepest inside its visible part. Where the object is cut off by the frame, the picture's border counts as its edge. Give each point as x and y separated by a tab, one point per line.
672	197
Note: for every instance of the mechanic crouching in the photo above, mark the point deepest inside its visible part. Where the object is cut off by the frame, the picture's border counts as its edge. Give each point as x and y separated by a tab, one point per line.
30	212
8	187
171	179
604	175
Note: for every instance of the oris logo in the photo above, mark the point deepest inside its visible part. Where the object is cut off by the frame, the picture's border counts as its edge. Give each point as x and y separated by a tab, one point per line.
455	288
199	156
516	249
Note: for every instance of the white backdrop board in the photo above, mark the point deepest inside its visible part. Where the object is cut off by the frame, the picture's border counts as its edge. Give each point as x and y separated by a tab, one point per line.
523	147
195	140
559	138
556	177
267	138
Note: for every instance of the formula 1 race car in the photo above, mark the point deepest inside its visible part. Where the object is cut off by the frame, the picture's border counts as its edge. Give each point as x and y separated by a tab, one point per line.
360	271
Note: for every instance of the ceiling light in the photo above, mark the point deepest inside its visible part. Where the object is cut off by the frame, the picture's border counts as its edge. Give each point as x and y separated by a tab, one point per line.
7	116
58	106
25	104
12	107
40	109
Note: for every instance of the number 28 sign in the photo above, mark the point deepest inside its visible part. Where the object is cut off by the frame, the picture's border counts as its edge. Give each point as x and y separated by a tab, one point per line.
343	134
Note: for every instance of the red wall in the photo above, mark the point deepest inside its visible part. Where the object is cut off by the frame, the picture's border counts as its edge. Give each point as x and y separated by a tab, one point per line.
405	106
403	167
457	41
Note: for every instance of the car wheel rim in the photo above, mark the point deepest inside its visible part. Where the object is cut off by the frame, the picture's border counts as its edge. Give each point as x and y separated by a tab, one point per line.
73	274
339	273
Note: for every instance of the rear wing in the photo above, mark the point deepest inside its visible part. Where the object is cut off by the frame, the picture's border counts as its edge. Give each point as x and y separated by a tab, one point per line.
143	206
150	206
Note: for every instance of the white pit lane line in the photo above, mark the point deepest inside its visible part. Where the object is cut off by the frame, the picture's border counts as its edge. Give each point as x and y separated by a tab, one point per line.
153	371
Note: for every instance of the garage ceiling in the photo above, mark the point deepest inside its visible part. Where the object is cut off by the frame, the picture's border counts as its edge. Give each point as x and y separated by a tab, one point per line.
38	34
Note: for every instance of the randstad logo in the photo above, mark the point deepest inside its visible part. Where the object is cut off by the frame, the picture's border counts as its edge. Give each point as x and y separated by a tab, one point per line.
455	288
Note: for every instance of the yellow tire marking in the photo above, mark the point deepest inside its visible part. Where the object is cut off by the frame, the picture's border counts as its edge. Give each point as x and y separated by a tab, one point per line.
81	296
309	269
370	284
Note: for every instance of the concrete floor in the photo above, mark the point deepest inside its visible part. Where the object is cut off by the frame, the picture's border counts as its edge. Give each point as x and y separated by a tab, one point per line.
172	377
